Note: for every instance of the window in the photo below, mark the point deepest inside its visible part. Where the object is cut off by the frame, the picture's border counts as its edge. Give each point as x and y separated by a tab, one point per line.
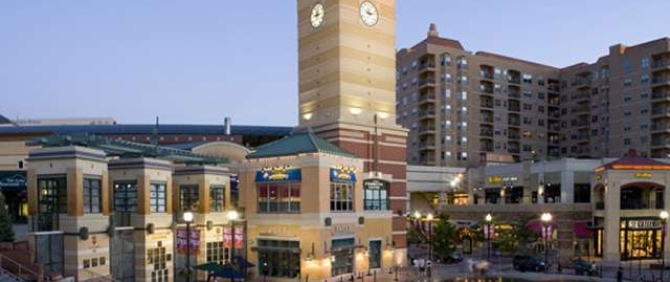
644	63
582	193
52	200
445	60
125	196
627	82
189	198
157	197
217	253
20	165
644	78
92	195
279	197
341	196
527	78
279	258
216	198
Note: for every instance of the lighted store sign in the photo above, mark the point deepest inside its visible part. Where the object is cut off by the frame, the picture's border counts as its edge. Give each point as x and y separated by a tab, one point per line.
643	175
500	179
343	174
278	173
644	224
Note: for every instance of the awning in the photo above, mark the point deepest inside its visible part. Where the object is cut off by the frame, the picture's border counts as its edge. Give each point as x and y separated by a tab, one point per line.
228	272
243	263
209	267
13	181
582	230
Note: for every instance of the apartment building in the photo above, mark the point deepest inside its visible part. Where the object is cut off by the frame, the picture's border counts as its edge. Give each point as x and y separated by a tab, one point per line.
467	109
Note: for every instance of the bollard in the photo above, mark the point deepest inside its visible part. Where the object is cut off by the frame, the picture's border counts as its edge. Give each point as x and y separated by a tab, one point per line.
374	276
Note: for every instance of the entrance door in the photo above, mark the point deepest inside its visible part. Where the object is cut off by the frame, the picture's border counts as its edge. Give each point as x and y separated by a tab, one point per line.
375	254
343	255
49	252
123	256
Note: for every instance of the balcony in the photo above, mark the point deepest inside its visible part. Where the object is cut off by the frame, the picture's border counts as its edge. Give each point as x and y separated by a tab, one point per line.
427	99
486	147
660	64
516	123
660	127
514	77
514	108
580	109
582	96
486	119
554	127
660	142
486	89
430	82
554	88
554	114
427	67
513	150
554	102
486	104
427	129
660	111
660	80
582	124
428	145
486	132
427	114
514	135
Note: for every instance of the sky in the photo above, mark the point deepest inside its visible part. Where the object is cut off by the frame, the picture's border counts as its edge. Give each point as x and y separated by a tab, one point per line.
198	61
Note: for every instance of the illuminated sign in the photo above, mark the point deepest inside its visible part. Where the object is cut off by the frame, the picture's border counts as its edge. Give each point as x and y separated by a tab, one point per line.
343	174
278	173
644	224
643	175
500	179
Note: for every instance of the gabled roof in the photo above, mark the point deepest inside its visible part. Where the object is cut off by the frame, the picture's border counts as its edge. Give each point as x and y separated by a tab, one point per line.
4	120
632	162
298	143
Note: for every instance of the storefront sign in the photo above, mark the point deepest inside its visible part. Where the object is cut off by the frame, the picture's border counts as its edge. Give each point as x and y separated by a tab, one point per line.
279	173
343	174
228	237
643	175
644	224
375	184
188	242
343	229
13	180
500	179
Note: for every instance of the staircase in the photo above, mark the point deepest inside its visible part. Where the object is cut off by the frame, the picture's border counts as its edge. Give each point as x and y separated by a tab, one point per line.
9	277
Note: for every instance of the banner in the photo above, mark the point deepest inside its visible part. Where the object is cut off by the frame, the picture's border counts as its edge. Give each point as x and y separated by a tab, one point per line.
489	230
548	233
343	174
279	173
193	246
228	237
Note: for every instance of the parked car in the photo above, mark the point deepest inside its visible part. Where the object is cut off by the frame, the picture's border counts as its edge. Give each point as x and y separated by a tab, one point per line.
528	263
585	268
455	257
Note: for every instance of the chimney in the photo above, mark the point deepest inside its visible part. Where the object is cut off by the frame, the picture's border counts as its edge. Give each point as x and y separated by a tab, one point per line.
226	125
432	32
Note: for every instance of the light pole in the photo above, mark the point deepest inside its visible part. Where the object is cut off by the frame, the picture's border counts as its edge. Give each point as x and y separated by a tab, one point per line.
430	218
188	218
546	220
664	220
488	230
232	216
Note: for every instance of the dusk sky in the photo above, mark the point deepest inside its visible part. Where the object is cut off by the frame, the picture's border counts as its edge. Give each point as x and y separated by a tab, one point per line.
199	61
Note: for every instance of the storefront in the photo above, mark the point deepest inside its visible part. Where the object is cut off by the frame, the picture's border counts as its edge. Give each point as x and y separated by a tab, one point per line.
13	187
640	238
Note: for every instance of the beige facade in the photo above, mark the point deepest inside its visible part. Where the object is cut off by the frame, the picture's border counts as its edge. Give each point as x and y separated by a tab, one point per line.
315	226
467	109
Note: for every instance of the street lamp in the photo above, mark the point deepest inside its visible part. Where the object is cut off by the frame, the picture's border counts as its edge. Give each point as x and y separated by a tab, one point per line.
546	219
430	218
664	220
188	218
232	216
488	230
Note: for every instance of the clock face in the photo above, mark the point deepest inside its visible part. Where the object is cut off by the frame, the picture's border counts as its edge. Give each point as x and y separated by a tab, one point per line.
369	13
316	19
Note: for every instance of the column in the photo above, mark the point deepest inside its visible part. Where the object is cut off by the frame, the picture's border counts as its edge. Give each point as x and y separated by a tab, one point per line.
567	187
611	240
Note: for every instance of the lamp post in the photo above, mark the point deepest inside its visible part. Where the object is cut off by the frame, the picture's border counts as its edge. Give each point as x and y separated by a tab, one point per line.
430	218
546	220
232	216
188	218
488	218
664	220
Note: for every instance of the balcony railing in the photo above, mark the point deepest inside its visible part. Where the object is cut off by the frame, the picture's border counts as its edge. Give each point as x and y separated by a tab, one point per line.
660	95
660	111
513	150
486	132
514	108
554	88
426	66
514	123
487	105
659	80
514	135
487	119
425	82
660	64
427	98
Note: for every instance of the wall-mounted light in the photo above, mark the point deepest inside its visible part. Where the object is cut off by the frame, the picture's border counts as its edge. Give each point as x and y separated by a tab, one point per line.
383	115
307	116
355	111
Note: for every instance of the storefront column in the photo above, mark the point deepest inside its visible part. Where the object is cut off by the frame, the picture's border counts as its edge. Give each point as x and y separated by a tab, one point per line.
612	222
567	187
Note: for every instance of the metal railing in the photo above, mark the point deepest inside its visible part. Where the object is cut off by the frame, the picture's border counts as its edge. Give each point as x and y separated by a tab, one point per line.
19	270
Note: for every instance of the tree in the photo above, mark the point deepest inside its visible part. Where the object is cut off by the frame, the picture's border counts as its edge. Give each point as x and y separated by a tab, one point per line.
444	237
515	235
6	231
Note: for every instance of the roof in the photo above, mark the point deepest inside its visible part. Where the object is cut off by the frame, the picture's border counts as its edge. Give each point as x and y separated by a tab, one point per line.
632	162
4	120
446	42
298	143
147	129
125	149
507	58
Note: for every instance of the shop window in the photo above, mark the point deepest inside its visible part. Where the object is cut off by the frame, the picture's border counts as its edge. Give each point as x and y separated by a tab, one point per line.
279	197
92	195
375	254
158	197
216	198
279	258
552	193
341	196
375	195
582	193
52	200
125	202
217	253
189	198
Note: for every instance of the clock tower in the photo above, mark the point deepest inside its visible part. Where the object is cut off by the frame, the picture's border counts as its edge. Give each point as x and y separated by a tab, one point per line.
347	71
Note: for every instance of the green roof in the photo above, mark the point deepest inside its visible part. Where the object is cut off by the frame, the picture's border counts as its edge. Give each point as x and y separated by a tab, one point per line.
298	143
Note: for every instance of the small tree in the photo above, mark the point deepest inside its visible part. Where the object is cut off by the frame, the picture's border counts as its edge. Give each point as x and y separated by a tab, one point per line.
444	237
6	231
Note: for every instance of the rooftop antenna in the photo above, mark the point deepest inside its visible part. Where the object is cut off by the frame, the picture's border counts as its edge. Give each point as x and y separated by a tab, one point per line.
154	134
